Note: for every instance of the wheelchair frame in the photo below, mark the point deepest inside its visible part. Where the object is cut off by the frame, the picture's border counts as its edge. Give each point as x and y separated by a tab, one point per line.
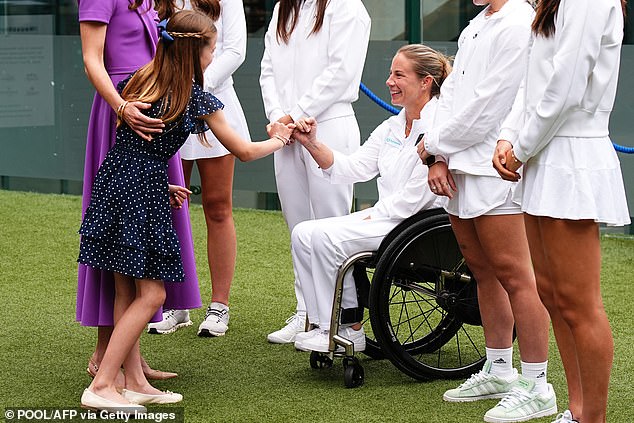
439	288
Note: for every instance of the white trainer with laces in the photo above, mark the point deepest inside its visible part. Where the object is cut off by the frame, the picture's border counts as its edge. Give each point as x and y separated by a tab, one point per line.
294	325
172	321
320	342
565	417
481	385
523	403
216	321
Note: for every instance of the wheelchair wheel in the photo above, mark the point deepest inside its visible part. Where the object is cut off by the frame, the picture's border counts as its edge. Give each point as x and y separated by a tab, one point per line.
423	303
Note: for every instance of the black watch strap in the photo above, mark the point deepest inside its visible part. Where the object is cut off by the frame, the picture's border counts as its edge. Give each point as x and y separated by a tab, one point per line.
430	160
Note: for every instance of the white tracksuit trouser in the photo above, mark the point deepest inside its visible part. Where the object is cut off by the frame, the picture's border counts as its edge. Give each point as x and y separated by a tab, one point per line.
303	190
319	247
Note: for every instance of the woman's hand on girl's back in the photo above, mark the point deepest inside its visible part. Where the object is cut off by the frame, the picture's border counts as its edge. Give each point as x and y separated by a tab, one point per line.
143	125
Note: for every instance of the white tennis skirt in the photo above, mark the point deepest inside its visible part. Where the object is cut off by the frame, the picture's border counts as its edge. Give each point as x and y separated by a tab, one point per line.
479	195
193	149
576	178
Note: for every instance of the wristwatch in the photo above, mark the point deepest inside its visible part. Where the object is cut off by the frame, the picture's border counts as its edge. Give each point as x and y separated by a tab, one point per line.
430	160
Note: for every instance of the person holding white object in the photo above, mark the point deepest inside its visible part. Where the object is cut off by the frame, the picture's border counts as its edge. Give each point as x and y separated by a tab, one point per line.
571	182
320	246
312	65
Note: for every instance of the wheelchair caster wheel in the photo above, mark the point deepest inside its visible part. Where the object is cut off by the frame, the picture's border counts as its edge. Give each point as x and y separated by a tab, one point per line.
319	360
353	375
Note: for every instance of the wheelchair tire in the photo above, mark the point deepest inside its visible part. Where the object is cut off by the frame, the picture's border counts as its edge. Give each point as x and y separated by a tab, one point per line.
423	303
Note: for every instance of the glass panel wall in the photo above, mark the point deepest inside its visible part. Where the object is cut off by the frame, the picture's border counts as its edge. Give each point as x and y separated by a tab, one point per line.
45	97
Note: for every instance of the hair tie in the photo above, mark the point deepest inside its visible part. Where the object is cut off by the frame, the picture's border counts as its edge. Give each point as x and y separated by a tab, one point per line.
162	30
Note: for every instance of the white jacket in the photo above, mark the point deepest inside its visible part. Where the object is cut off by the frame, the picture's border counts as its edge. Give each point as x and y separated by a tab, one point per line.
316	74
571	80
479	93
402	182
231	45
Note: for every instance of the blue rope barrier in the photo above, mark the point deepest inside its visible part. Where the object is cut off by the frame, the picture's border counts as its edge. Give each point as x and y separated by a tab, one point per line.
623	149
377	100
394	110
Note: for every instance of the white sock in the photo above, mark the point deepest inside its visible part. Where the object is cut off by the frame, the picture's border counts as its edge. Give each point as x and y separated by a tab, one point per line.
501	360
538	373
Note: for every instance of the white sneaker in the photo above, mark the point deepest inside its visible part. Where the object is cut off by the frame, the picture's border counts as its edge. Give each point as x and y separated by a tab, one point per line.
303	336
216	321
172	321
321	340
523	403
481	385
565	417
294	325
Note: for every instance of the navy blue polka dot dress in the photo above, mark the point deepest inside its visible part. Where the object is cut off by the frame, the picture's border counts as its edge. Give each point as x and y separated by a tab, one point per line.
127	227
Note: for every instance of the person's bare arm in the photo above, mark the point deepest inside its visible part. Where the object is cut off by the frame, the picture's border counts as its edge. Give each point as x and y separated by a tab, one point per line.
93	38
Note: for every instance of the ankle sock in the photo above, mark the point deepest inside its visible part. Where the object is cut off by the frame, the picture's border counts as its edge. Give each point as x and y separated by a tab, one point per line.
501	360
538	373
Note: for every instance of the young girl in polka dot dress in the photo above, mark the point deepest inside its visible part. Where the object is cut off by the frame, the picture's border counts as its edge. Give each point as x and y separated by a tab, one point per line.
127	227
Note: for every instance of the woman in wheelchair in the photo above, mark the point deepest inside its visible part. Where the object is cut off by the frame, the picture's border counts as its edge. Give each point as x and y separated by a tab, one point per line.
319	247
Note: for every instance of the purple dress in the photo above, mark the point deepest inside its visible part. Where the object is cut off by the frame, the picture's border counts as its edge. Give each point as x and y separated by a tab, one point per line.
130	43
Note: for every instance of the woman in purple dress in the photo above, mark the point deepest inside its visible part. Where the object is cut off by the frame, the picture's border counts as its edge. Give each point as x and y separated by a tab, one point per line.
118	37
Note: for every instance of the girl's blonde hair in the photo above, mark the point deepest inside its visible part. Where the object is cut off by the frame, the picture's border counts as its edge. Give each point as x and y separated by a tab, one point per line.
170	75
427	62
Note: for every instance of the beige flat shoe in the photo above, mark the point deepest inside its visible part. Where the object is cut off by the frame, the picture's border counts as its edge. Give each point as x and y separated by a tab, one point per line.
95	402
151	374
166	397
92	368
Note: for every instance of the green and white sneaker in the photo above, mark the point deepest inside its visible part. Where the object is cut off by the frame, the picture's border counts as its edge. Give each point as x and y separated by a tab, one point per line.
565	417
522	404
481	385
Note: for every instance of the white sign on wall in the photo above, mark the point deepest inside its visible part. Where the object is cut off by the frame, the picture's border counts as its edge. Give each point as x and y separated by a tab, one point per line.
26	71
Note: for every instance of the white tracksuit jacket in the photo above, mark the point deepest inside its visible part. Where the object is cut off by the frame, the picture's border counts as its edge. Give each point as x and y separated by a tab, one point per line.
319	247
559	123
479	93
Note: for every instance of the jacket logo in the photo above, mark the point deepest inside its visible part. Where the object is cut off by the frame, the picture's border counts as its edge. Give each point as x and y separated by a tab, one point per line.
393	142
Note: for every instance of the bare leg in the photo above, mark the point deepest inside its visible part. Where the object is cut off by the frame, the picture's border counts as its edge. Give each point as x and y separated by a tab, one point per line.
573	255
217	185
503	239
563	335
132	312
495	308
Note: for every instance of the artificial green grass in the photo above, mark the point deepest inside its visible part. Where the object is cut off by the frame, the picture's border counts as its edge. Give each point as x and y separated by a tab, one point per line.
238	377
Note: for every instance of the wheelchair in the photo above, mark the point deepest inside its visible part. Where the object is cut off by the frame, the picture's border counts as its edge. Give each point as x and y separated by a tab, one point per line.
421	304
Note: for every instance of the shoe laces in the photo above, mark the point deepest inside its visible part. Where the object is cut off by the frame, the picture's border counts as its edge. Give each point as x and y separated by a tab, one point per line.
475	379
296	320
515	397
168	314
565	417
219	314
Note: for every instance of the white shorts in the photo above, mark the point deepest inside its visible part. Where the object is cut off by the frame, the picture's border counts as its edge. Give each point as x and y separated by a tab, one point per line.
482	195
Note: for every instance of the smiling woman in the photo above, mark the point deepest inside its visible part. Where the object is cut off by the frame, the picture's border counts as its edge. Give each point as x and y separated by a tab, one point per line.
319	247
